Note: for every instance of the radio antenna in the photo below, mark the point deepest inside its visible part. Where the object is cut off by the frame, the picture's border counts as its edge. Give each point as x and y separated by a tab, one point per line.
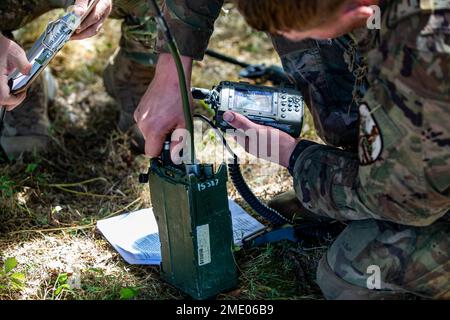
164	28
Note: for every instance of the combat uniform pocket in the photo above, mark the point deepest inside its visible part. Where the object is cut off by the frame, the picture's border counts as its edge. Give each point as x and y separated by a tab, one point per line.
379	135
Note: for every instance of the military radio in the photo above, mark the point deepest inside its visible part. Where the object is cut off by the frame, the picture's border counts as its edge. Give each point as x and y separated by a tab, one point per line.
190	204
278	107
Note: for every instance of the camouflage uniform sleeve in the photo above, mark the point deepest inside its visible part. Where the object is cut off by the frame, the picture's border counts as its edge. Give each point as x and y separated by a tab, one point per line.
192	23
14	14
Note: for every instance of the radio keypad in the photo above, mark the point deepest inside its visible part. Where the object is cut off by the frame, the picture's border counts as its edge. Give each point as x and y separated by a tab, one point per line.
289	103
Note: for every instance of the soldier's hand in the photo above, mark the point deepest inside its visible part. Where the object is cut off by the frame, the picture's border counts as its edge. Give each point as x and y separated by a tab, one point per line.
12	56
160	111
261	141
94	22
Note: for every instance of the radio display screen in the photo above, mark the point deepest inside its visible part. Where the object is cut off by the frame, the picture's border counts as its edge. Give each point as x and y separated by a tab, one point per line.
260	101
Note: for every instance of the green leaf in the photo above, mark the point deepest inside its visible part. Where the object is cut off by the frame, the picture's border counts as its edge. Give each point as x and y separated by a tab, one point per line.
19	276
31	167
62	278
10	264
128	293
18	285
61	288
236	248
58	290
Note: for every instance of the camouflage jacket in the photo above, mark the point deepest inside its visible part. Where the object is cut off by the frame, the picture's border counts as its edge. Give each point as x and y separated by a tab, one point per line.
386	91
404	134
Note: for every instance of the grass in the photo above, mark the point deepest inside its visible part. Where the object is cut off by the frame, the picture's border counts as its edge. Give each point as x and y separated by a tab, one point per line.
49	203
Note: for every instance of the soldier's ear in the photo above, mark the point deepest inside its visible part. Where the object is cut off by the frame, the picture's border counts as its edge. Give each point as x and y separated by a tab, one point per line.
355	14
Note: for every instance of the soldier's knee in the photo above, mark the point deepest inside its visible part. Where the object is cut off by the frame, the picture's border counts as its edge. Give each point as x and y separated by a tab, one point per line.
334	287
379	260
348	270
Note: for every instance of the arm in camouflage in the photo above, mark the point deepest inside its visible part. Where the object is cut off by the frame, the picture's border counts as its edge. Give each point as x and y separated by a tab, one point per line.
402	174
14	14
192	23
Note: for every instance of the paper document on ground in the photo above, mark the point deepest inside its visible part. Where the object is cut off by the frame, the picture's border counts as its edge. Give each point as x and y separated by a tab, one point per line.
135	235
243	223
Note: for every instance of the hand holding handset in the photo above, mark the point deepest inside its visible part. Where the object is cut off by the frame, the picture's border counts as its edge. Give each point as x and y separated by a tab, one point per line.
56	35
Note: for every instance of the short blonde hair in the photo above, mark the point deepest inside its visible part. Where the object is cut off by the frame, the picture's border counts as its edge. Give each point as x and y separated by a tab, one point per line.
284	15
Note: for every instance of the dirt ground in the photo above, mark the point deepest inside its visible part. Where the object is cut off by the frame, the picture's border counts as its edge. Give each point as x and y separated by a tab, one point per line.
49	204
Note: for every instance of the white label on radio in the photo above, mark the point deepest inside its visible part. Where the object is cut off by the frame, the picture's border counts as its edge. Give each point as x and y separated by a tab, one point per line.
203	245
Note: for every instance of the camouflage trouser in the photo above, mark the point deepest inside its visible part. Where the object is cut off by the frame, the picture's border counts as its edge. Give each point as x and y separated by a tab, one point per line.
391	258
